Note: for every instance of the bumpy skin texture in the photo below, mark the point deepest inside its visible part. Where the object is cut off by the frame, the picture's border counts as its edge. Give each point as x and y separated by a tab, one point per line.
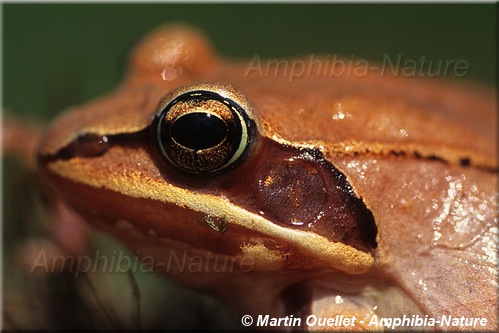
420	154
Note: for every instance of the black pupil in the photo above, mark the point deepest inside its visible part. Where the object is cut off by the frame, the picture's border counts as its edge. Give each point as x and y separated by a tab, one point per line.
198	130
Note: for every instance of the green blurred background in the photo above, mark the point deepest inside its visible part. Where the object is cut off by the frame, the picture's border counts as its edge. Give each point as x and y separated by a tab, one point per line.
55	55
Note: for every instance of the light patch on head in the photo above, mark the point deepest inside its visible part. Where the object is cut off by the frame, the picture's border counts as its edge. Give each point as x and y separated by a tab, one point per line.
218	224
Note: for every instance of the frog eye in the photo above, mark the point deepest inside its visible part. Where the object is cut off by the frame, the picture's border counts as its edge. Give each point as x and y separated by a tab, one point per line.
204	129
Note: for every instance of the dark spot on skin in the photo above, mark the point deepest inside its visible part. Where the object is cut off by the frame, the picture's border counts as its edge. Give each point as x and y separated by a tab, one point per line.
465	161
436	158
398	153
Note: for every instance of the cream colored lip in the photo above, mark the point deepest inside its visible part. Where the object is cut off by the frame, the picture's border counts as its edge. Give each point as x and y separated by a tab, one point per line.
135	184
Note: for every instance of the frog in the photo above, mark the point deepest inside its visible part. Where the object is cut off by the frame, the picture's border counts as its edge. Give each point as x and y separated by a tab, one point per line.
291	200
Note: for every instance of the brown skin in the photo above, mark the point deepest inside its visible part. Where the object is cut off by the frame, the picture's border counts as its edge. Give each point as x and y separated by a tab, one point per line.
420	155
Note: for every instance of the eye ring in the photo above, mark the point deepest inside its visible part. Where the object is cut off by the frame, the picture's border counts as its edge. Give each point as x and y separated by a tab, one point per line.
204	129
